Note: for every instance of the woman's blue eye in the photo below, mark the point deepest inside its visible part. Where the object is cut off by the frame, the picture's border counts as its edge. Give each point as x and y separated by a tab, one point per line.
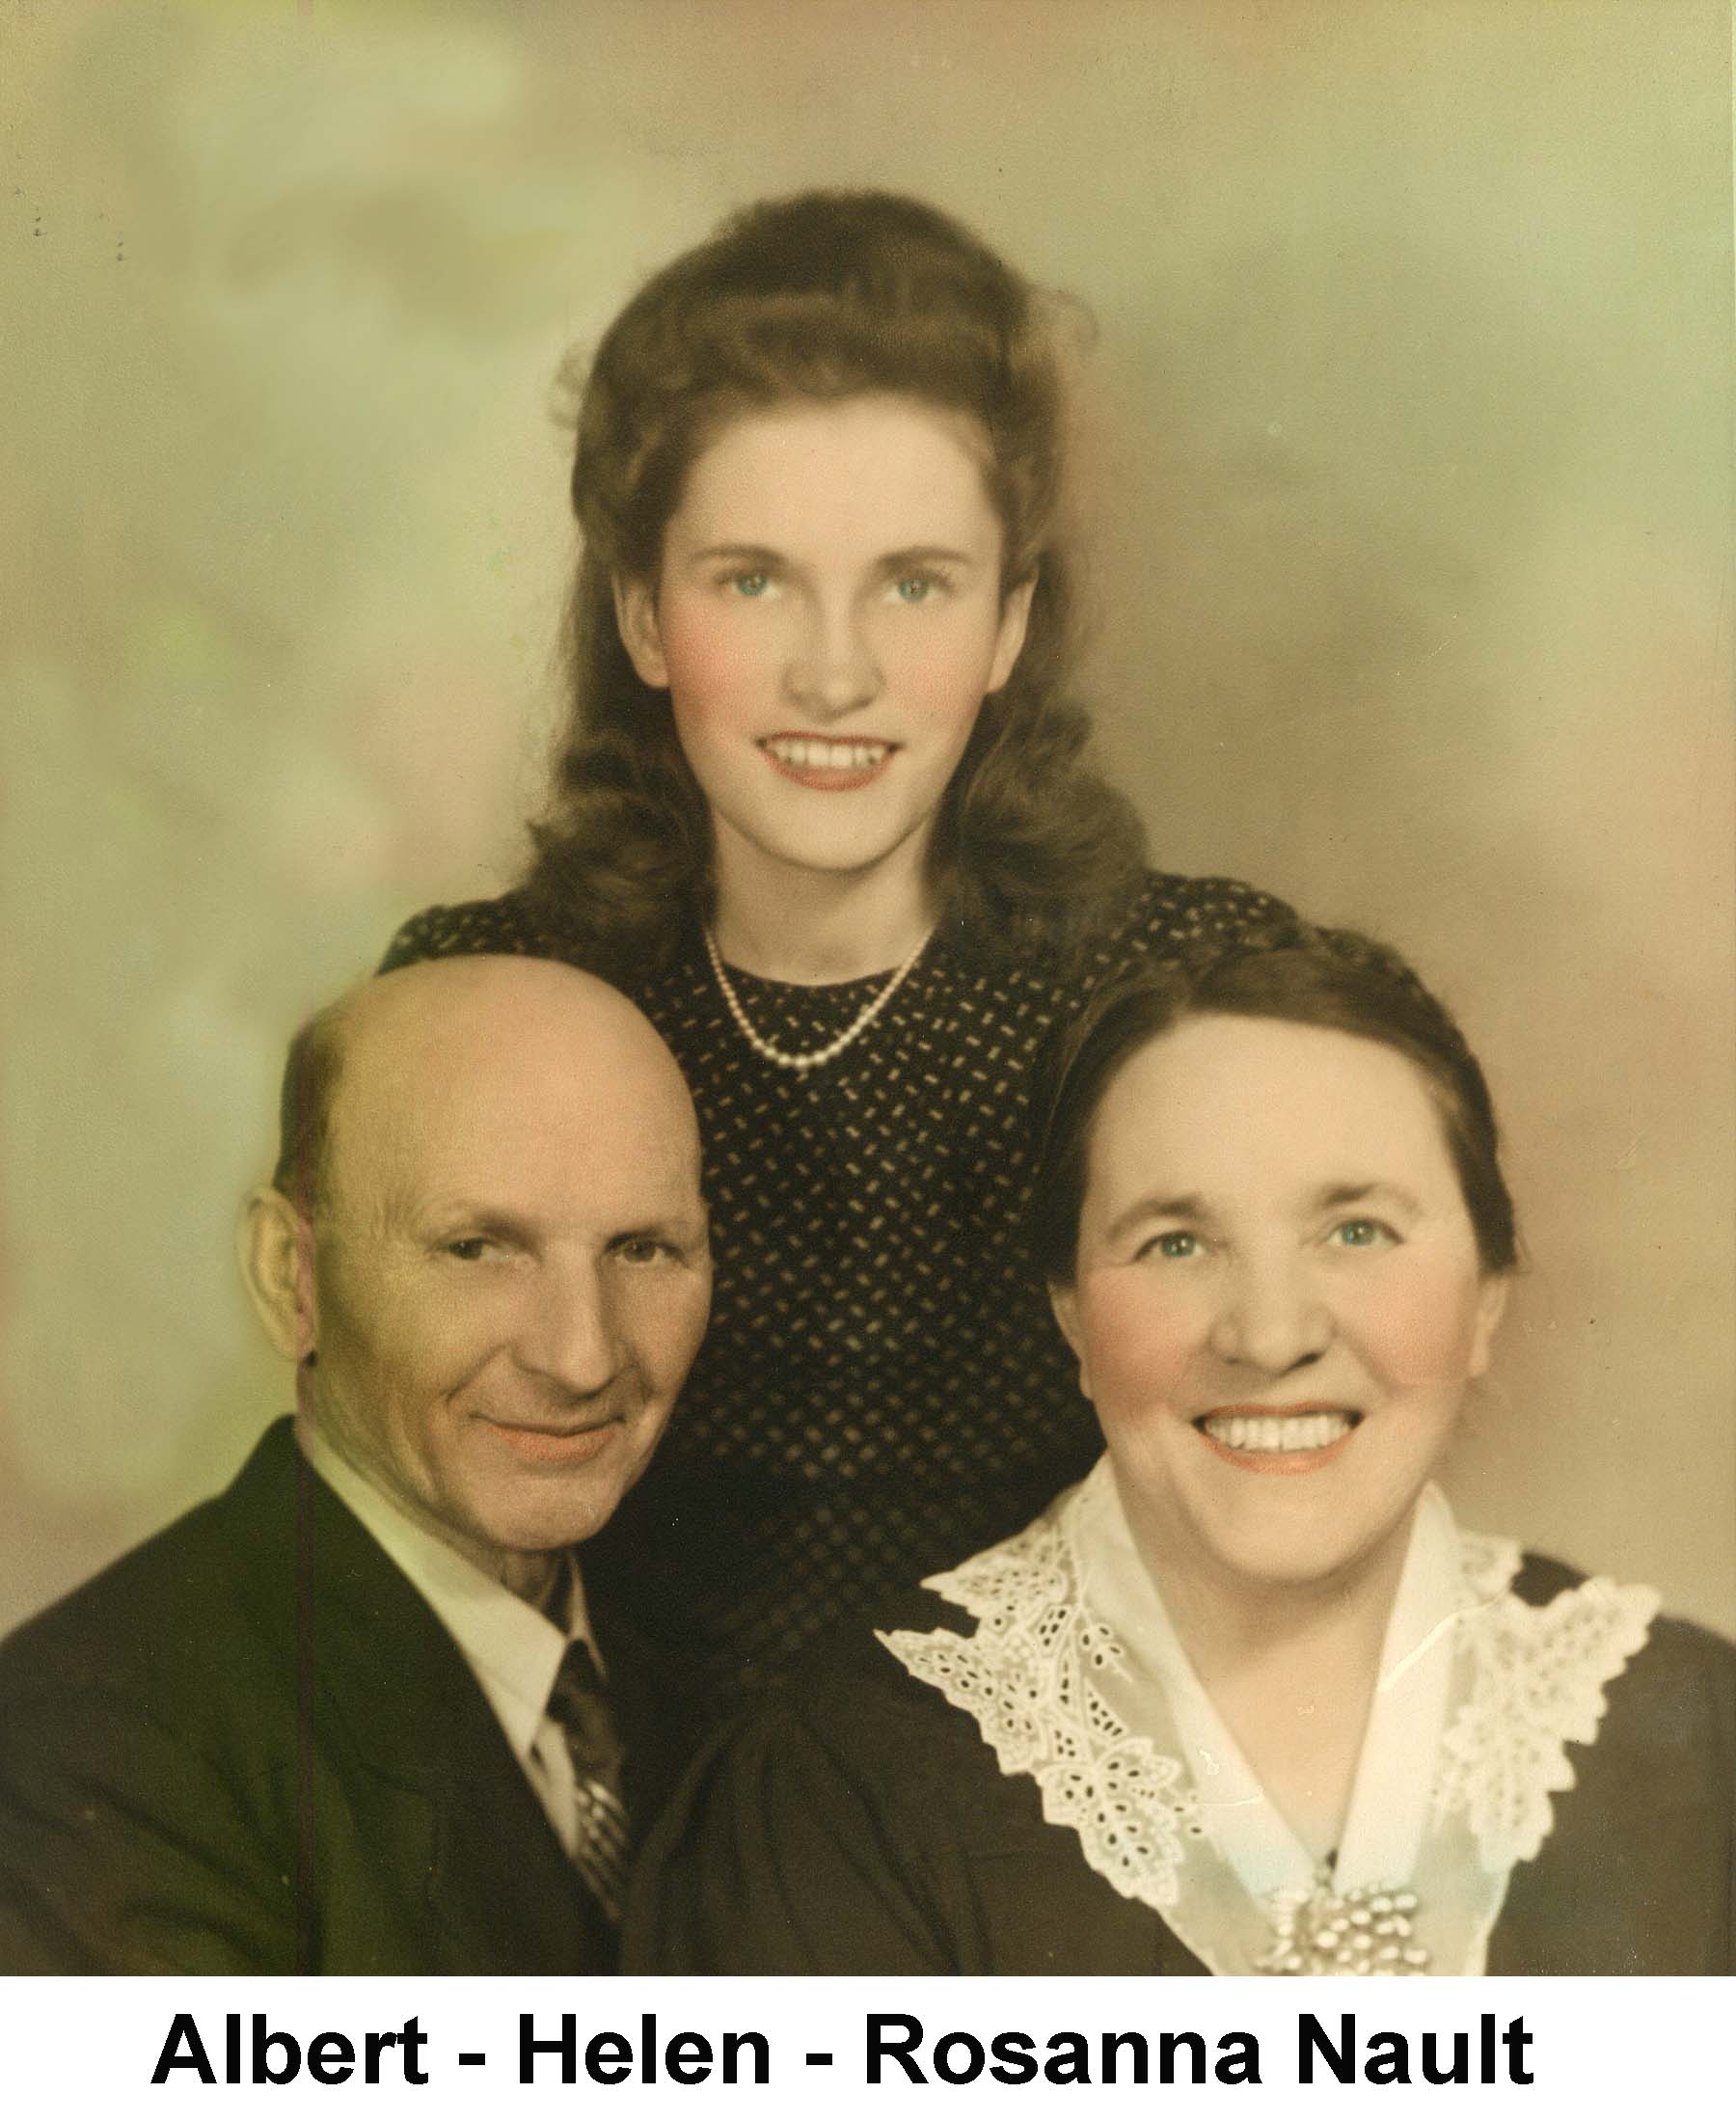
755	584
1175	1245
1360	1233
916	588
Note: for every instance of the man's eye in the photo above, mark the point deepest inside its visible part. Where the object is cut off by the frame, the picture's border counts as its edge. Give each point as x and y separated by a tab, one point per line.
1362	1234
466	1248
642	1251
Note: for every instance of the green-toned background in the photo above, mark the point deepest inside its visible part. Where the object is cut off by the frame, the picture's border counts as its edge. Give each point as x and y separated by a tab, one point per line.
1408	461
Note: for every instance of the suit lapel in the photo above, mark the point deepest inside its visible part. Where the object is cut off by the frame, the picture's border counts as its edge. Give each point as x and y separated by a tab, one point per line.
449	1817
649	1694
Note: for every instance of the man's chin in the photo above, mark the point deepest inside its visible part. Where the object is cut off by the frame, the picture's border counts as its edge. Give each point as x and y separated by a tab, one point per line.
539	1501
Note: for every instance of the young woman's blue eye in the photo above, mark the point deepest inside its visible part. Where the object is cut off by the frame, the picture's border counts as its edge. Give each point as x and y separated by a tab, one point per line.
1175	1245
1361	1233
916	588
753	584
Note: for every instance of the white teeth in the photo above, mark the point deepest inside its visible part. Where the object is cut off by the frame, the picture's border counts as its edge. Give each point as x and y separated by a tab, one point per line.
827	756
1275	1431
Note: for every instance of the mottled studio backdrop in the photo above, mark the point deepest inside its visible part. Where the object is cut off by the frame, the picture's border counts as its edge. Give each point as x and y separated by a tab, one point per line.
1409	465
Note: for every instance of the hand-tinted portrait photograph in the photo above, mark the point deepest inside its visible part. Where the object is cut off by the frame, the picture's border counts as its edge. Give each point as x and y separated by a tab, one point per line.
871	894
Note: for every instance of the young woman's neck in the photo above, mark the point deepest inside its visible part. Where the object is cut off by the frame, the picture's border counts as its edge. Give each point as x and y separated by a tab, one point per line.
813	927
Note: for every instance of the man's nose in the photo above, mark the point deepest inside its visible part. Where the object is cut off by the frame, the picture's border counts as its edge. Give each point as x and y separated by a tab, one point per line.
833	668
1271	1317
568	1333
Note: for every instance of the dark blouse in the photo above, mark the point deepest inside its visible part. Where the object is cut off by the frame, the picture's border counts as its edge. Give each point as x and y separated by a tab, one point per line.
882	1389
855	1822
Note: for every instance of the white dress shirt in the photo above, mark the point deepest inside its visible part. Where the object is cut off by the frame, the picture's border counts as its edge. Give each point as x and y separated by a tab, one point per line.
513	1649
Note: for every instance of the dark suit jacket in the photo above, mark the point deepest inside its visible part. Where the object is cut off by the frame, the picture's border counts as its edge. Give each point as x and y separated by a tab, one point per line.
250	1747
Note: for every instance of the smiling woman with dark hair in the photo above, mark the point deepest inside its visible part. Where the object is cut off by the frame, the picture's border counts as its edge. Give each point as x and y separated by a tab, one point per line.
1246	1699
822	809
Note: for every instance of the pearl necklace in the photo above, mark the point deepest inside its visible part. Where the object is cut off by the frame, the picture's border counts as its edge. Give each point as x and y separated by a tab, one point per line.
800	1063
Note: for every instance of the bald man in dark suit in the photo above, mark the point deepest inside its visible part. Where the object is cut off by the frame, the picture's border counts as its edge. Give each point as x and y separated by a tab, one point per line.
356	1714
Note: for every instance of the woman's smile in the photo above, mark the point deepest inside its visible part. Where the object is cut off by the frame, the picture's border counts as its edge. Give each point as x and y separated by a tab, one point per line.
1278	1439
830	765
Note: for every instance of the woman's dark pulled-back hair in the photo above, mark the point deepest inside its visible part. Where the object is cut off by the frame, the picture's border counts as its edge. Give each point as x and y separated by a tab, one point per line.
1330	978
819	298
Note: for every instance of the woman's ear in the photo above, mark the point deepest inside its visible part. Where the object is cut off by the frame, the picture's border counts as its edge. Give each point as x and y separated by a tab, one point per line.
1064	1302
274	1245
636	615
1491	1302
1009	636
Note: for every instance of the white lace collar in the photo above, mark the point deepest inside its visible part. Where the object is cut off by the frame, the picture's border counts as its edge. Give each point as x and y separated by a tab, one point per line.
1076	1678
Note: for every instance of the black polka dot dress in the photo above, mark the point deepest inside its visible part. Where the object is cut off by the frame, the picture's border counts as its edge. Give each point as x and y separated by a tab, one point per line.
883	1390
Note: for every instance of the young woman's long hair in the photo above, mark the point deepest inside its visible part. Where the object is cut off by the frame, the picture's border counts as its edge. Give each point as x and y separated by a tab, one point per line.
823	297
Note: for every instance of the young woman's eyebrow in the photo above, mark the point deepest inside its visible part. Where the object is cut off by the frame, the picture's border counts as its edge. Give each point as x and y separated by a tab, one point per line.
1353	1193
896	563
927	556
742	555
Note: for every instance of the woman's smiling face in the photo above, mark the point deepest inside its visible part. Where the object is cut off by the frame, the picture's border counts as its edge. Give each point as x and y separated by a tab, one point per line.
1278	1302
827	620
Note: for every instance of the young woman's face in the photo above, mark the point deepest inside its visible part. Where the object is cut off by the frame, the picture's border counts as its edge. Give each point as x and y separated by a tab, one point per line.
1278	1302
827	620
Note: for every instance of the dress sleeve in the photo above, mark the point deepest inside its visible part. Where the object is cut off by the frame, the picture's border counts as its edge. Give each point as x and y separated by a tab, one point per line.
122	1850
483	928
786	1852
1178	914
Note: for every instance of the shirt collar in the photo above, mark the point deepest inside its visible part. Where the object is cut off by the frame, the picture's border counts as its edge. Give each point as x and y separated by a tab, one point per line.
513	1649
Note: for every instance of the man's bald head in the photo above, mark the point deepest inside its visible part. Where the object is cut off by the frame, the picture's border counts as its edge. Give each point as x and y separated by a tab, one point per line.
513	993
489	1182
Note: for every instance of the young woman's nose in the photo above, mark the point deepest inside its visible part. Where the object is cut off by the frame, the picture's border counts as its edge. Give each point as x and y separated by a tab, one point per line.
833	668
567	1335
1270	1318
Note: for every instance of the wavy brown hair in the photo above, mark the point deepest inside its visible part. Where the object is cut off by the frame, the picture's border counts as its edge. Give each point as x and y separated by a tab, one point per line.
823	296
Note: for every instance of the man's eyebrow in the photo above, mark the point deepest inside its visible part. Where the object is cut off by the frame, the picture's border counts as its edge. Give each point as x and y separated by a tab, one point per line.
693	1219
461	1210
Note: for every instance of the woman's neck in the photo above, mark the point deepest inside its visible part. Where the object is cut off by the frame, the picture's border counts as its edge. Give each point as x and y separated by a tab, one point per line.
1292	1669
813	927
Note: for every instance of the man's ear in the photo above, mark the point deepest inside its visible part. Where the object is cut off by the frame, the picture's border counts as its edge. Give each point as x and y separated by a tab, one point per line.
1491	1302
1064	1302
274	1245
1010	638
635	616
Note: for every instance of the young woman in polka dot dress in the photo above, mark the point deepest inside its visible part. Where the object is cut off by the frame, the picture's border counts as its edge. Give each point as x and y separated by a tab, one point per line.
821	811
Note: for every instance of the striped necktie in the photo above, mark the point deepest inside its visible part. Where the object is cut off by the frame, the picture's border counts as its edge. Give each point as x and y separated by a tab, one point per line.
578	1705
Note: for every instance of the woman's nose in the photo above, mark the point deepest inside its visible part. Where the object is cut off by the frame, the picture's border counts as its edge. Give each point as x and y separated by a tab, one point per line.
1271	1317
567	1335
833	668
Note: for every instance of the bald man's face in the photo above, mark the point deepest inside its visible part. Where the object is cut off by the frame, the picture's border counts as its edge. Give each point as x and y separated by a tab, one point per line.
511	1272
